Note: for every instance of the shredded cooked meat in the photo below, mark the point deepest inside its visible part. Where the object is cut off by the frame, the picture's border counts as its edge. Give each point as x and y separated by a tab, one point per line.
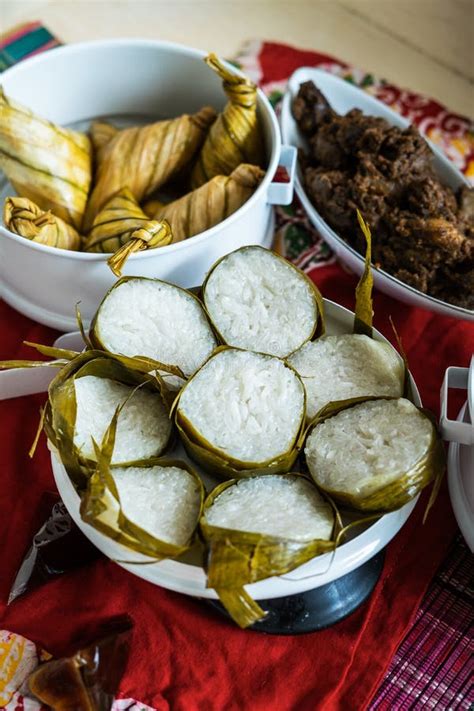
423	233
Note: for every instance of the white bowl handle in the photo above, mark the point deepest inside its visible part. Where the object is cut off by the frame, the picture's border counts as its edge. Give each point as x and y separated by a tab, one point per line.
452	430
29	381
280	192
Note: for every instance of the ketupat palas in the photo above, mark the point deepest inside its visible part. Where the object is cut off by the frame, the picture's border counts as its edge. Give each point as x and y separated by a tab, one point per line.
46	163
235	136
146	157
101	134
208	205
123	228
23	217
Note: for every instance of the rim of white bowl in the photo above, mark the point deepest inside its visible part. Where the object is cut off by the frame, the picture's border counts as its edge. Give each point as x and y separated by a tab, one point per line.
275	140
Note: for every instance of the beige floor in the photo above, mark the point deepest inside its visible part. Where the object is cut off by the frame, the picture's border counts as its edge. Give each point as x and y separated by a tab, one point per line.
425	45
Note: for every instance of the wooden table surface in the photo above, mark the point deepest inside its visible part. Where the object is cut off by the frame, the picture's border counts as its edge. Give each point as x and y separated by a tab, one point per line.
424	45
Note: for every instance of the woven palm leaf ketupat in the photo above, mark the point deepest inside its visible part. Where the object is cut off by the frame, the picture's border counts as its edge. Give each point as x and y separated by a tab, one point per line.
123	228
235	136
208	205
48	164
146	157
23	217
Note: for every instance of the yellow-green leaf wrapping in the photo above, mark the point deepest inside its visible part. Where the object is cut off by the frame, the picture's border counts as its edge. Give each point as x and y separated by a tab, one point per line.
364	310
23	217
211	203
237	558
48	164
397	493
101	506
123	228
146	157
235	137
60	413
101	134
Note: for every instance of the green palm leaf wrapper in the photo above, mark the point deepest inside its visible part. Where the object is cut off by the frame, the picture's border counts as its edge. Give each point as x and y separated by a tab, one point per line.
22	217
48	164
346	368
235	137
82	399
101	134
257	300
376	455
146	157
153	320
151	506
241	414
123	228
209	204
261	527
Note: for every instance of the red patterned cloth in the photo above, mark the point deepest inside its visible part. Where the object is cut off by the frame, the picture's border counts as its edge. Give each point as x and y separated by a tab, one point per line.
185	657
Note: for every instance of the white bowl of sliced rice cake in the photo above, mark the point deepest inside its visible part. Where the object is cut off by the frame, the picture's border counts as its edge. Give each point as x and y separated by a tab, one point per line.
186	574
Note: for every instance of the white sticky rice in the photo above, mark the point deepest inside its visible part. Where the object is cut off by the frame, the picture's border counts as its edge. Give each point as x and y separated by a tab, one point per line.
283	506
143	427
351	365
247	405
164	501
259	302
147	317
367	446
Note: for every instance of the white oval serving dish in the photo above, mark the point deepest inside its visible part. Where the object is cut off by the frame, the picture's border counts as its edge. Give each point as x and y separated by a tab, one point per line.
191	580
152	80
343	97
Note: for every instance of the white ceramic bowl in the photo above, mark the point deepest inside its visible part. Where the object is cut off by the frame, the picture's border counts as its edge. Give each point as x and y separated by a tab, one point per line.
343	97
151	80
190	578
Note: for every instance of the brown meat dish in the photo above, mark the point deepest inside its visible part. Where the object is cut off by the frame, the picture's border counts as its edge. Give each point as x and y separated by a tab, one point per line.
422	232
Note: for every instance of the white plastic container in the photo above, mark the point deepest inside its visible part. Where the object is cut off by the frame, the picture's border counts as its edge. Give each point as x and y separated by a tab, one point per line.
343	96
460	433
151	80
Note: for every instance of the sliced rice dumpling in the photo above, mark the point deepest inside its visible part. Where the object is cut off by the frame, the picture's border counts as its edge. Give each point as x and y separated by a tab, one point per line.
376	455
123	228
208	205
235	136
242	413
48	164
346	366
22	217
258	301
146	157
83	399
152	507
151	318
163	500
260	527
143	427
